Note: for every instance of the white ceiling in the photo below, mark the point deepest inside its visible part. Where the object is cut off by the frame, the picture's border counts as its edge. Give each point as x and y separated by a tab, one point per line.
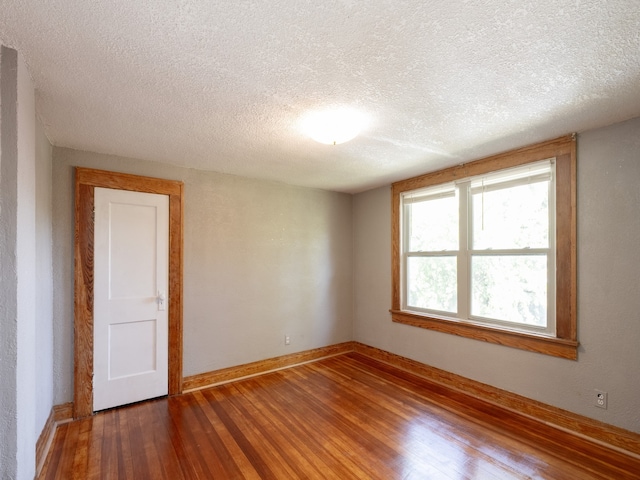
220	85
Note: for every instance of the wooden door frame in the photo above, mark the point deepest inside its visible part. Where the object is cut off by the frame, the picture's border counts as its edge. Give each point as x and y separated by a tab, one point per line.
85	182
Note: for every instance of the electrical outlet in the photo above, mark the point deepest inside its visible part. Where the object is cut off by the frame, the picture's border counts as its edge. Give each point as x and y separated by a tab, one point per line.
601	399
287	339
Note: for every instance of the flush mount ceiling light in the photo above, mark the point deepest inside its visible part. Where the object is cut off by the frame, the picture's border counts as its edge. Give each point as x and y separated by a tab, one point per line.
333	126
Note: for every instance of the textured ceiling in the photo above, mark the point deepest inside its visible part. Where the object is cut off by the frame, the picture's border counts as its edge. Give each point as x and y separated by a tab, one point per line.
221	85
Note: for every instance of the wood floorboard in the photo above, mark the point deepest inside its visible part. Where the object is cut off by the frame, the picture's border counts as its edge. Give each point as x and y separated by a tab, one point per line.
345	417
451	435
383	414
94	455
566	447
303	405
286	411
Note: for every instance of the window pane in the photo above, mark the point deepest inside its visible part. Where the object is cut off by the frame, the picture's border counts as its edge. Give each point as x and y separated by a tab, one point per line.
432	283
433	224
510	287
515	217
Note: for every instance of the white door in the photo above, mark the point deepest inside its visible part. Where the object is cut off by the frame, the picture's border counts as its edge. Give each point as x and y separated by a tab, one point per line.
130	330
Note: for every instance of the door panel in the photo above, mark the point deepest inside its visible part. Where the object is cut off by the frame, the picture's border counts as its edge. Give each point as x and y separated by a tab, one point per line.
131	276
132	232
136	343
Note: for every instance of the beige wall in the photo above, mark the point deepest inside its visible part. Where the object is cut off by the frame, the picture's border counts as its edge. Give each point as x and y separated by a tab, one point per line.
262	260
608	294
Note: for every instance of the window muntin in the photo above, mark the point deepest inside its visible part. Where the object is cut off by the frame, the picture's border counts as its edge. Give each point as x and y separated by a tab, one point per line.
480	249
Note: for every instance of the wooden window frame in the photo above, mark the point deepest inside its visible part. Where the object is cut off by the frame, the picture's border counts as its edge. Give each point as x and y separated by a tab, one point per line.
565	343
85	182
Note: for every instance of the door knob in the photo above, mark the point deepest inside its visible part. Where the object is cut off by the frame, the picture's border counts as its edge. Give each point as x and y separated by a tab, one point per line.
161	300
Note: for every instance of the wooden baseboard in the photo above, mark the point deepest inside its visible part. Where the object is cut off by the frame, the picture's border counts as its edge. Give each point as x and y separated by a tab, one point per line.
58	414
63	413
216	377
607	435
44	440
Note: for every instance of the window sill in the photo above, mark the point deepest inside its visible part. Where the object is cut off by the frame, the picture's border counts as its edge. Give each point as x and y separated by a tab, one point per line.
557	347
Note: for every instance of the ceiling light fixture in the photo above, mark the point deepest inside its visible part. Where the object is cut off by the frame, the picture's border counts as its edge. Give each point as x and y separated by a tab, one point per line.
333	126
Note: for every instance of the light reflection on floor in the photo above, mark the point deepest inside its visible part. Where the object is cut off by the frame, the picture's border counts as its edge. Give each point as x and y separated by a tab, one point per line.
433	453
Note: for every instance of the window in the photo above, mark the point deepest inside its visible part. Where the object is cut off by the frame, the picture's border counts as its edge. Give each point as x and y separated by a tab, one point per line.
482	248
487	250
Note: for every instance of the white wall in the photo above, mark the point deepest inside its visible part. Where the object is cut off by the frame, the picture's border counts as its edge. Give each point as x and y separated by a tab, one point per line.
608	294
26	267
262	260
8	263
44	277
23	407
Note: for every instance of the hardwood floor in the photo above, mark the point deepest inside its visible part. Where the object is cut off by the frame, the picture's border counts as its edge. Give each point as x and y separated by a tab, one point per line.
345	417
